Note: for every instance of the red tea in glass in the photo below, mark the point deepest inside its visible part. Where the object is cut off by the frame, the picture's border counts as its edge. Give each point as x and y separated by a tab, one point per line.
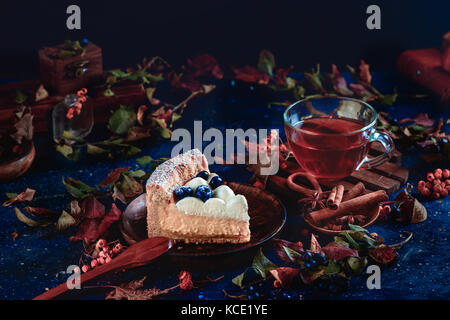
330	137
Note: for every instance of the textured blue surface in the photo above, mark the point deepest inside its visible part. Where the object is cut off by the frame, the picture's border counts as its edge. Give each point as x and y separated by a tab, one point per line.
35	262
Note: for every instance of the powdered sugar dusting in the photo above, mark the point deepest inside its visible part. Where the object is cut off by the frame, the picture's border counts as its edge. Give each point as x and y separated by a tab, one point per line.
165	171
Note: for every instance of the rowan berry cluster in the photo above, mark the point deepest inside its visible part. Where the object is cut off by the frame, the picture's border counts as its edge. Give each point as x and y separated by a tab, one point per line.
103	253
437	184
76	108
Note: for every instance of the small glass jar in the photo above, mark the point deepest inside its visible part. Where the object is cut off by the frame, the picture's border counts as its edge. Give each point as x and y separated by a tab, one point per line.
75	128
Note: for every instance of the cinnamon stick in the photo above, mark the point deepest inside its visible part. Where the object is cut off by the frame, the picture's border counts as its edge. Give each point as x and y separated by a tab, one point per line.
331	197
338	197
356	205
357	190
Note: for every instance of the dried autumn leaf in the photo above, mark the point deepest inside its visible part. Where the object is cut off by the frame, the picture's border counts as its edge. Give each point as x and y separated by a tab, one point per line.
140	114
41	212
364	72
112	177
14	235
383	254
251	74
362	92
315	246
77	188
113	215
133	291
75	211
284	276
144	160
92	208
421	119
118	195
26	195
30	222
185	279
279	246
411	210
41	93
87	231
262	265
122	119
266	62
336	251
339	82
130	187
204	64
65	221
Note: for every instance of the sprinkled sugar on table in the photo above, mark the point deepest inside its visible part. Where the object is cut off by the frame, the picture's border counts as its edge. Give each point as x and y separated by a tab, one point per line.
36	261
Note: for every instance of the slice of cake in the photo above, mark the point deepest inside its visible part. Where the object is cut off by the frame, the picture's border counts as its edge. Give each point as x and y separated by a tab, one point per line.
186	202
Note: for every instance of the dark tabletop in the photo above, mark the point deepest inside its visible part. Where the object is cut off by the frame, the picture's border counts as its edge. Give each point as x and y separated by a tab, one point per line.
35	261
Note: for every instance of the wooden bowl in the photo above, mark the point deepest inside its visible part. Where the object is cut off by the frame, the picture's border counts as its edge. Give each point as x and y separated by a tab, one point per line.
267	217
14	168
373	214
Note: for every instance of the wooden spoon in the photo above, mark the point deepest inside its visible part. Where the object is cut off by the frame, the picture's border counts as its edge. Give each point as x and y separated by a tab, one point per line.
137	255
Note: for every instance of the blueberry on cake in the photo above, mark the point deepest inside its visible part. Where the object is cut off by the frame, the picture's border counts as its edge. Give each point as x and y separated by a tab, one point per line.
188	203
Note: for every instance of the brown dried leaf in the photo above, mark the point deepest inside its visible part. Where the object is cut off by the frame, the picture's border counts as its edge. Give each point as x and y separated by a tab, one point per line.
134	291
27	195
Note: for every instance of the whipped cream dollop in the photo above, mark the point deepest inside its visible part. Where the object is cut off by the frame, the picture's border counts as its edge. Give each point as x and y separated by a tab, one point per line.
224	203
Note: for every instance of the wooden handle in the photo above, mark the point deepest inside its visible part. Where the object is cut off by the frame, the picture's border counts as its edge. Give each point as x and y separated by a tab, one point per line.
137	255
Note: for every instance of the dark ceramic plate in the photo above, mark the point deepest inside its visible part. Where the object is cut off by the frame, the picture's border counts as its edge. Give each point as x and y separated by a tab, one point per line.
267	217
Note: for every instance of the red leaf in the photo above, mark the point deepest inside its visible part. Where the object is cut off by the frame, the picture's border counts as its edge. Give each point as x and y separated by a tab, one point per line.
421	119
279	244
41	212
364	72
337	251
185	280
281	74
204	64
140	114
339	83
284	276
92	208
190	83
112	177
251	74
383	254
113	215
27	195
87	231
362	92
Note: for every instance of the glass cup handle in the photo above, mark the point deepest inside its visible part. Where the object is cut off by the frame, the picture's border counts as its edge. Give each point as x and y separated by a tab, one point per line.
389	148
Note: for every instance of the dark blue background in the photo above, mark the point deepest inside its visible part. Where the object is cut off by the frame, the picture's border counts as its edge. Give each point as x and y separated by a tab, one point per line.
301	33
33	262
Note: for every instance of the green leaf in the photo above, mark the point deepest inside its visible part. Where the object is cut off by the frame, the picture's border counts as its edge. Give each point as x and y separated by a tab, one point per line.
130	187
68	152
299	92
351	240
137	174
333	267
122	119
64	54
387	99
175	117
30	222
118	73
356	228
20	97
262	265
239	280
266	62
11	195
109	93
145	160
77	188
356	265
94	150
341	241
132	151
293	255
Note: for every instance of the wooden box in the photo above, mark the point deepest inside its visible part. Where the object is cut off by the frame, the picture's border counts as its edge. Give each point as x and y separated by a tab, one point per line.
63	76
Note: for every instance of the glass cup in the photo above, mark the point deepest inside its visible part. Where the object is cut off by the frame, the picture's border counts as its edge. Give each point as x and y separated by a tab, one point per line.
330	136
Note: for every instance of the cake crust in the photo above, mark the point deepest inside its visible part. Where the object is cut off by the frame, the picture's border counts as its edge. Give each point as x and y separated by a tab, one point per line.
163	217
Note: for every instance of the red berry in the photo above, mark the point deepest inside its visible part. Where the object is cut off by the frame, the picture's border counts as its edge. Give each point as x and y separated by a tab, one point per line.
94	263
436	181
430	176
421	184
108	259
436	195
101	260
428	185
437	188
444	193
426	192
277	284
85	268
387	209
446	173
101	243
438	175
438	170
447	182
